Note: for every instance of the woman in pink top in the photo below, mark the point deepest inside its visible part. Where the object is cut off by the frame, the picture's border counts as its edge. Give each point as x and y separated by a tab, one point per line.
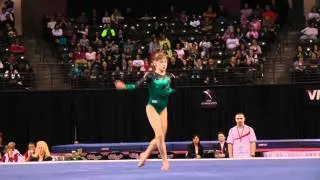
241	139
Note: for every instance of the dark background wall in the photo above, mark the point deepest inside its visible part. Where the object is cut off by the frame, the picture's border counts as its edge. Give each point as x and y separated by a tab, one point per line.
275	112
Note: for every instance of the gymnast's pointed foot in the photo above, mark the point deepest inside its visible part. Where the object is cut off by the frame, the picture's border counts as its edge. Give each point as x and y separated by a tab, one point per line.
143	158
165	166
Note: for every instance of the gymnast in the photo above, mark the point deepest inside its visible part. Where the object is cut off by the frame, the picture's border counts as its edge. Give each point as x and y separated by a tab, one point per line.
160	87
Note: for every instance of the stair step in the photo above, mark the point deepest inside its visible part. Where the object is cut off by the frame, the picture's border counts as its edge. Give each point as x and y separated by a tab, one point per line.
292	33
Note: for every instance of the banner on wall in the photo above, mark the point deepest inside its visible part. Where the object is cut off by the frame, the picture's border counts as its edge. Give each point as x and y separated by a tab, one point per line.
209	99
312	96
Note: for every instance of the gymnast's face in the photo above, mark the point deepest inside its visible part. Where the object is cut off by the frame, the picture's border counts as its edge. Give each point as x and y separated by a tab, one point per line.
240	119
161	64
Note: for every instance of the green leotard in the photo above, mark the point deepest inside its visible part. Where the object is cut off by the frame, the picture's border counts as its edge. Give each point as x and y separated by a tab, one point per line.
159	89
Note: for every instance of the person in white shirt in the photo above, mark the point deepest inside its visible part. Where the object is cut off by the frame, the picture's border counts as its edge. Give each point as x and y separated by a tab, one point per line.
5	15
52	23
232	42
57	31
309	33
195	22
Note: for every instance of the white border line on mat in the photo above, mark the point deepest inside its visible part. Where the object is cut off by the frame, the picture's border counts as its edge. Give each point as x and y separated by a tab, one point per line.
155	160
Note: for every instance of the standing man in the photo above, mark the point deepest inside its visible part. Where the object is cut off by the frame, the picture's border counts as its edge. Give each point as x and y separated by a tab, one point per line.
241	139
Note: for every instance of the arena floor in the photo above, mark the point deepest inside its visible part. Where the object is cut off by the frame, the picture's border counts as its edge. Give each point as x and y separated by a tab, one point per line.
181	169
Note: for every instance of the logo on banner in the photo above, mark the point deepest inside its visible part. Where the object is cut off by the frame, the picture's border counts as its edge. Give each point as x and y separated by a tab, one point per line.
209	99
313	95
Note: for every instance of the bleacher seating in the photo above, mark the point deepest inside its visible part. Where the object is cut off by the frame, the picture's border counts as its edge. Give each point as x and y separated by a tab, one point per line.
234	46
15	70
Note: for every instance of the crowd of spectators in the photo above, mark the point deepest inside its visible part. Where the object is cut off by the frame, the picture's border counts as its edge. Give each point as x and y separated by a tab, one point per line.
306	61
208	47
15	71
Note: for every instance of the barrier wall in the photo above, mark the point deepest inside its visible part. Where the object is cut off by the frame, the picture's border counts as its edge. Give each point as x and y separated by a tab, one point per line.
275	112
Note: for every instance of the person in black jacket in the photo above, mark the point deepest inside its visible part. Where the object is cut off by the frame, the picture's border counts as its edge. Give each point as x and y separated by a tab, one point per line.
221	148
195	150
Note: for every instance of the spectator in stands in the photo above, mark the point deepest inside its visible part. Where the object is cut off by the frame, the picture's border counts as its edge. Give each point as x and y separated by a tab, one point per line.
6	16
209	14
79	56
252	33
57	31
313	14
221	148
82	19
42	152
106	19
246	11
258	11
183	17
30	152
17	47
309	33
91	55
179	50
232	42
12	75
241	139
299	65
255	47
195	149
146	66
12	59
314	62
76	72
154	47
269	17
239	34
84	41
11	155
9	4
316	50
116	16
83	30
207	26
175	62
300	53
52	23
108	32
227	34
166	50
164	40
195	22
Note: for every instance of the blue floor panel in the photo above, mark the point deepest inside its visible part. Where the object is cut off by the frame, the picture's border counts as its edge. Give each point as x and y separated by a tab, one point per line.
282	169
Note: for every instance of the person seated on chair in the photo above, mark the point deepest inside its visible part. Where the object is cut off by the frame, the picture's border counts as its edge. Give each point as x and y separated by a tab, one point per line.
42	152
195	149
12	154
30	152
221	148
